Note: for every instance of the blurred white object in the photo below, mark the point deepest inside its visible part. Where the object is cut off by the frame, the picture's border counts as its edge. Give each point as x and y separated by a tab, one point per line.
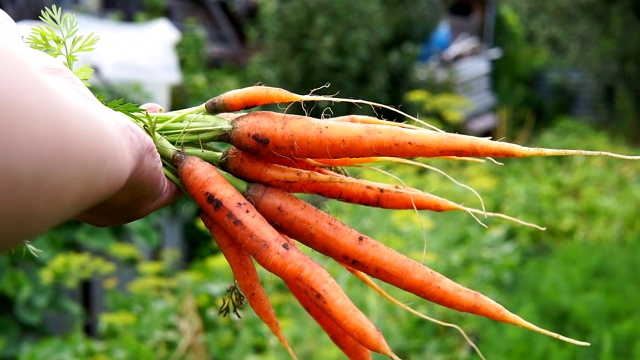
131	53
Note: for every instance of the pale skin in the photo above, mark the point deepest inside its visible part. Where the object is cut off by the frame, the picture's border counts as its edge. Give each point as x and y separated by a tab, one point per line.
65	155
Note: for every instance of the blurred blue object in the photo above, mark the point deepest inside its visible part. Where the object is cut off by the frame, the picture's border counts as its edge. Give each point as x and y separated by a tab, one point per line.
439	41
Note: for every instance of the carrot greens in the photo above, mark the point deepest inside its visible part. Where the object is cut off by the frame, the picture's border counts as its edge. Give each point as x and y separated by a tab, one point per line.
59	37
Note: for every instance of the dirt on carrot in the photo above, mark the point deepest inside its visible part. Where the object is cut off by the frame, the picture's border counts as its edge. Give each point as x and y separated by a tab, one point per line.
349	346
340	187
228	207
247	278
327	235
267	134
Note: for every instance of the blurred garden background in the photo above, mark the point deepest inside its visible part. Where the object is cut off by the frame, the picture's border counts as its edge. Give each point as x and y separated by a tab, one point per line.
559	74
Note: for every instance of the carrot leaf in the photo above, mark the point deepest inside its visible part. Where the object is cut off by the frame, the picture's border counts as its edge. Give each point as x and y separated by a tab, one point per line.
59	37
233	302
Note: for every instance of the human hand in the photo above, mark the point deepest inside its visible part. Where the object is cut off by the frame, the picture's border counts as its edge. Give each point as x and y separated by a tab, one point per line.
88	161
147	189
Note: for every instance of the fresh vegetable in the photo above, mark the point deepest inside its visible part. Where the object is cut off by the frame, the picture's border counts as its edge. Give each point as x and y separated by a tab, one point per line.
254	96
344	341
298	154
365	279
246	275
226	206
267	133
337	186
250	97
327	235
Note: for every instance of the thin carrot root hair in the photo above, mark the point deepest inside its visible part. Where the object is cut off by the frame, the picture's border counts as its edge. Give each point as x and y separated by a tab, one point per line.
529	326
367	280
355	161
471	211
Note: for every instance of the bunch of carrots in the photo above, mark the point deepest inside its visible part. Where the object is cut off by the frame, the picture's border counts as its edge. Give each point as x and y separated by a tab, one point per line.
242	170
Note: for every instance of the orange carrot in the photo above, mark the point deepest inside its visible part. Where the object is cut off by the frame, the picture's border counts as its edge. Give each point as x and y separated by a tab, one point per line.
365	279
346	343
331	185
268	133
252	96
339	187
327	235
246	275
358	161
277	160
226	206
249	97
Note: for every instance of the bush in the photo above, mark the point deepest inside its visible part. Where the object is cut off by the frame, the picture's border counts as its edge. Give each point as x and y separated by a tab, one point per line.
365	49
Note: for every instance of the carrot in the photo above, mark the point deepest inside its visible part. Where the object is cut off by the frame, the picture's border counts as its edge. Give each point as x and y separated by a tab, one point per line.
344	341
253	96
226	206
335	186
249	97
339	187
341	162
365	279
268	133
246	275
349	346
276	160
327	235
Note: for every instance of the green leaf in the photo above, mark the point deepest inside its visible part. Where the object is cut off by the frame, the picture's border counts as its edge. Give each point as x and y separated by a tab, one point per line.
119	105
59	37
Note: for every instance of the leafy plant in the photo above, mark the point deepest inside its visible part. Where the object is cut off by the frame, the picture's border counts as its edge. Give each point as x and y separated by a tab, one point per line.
232	302
70	268
59	37
598	44
304	45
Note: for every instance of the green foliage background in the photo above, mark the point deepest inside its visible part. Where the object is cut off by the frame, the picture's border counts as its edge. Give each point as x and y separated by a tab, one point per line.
599	41
364	49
